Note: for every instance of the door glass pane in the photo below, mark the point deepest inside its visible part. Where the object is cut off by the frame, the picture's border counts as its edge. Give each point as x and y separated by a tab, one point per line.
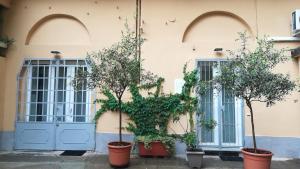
228	116
50	92
80	100
60	94
206	100
38	94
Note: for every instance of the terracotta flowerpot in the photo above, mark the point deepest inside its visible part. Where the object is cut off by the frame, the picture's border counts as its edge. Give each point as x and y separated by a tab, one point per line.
157	150
260	160
119	153
195	158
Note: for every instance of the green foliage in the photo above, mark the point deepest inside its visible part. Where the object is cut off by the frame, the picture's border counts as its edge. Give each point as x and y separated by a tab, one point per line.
168	141
208	124
8	41
113	70
190	139
151	114
109	104
250	75
190	103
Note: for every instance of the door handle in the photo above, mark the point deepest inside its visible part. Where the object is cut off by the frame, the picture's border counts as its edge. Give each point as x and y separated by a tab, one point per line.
57	125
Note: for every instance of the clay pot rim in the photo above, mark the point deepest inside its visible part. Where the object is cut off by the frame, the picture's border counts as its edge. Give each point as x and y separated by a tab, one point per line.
119	147
244	151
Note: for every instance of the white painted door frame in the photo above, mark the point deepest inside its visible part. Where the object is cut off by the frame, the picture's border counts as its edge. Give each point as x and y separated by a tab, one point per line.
217	111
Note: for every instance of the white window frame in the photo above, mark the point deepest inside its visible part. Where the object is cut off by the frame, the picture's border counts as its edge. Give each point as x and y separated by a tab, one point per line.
69	96
217	108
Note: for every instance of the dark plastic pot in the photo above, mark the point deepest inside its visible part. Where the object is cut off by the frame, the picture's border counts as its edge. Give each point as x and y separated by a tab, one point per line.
157	150
119	153
195	158
260	160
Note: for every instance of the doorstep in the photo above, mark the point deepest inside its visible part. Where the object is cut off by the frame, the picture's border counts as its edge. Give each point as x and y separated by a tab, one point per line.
234	149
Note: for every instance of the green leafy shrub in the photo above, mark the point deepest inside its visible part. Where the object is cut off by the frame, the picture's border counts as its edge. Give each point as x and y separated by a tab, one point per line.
190	139
151	114
167	141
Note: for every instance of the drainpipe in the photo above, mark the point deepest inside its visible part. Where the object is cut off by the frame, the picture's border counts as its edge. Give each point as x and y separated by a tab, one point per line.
138	13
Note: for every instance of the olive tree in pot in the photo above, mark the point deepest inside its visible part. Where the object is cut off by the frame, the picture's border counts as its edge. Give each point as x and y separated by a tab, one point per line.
249	74
113	70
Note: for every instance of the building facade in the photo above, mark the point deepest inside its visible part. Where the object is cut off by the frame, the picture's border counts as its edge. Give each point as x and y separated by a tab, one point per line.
39	109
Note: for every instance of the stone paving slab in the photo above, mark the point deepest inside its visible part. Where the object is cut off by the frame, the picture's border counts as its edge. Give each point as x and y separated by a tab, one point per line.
96	161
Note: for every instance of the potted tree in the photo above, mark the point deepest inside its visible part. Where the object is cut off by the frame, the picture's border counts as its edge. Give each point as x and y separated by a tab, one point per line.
249	75
113	70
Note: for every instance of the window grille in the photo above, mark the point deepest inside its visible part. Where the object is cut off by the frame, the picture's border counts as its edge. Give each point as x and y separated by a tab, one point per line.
46	93
206	101
221	106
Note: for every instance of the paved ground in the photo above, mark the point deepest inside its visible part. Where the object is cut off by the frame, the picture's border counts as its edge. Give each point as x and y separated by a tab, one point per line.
96	161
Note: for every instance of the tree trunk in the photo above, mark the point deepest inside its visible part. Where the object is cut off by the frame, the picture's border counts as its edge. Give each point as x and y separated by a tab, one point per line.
120	120
252	125
191	121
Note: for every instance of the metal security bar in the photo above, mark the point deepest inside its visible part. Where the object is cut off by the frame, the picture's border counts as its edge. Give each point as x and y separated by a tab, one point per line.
221	106
46	93
228	117
206	100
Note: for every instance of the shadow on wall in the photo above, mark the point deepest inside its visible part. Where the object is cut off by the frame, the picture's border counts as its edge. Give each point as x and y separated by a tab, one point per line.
58	29
216	26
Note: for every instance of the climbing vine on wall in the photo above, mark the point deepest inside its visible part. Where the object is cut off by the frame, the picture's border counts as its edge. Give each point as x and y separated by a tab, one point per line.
151	113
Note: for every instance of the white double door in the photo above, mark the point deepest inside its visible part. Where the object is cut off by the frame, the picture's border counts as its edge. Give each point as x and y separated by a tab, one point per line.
51	96
222	107
57	116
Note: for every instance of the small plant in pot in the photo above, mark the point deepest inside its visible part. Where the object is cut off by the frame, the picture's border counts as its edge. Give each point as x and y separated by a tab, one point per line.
193	153
155	145
190	103
112	71
249	74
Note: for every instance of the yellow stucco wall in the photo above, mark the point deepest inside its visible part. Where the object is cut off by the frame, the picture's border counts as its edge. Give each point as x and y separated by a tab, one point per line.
176	31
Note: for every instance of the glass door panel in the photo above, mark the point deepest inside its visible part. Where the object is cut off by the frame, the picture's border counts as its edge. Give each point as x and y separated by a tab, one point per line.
207	109
221	106
38	93
228	117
